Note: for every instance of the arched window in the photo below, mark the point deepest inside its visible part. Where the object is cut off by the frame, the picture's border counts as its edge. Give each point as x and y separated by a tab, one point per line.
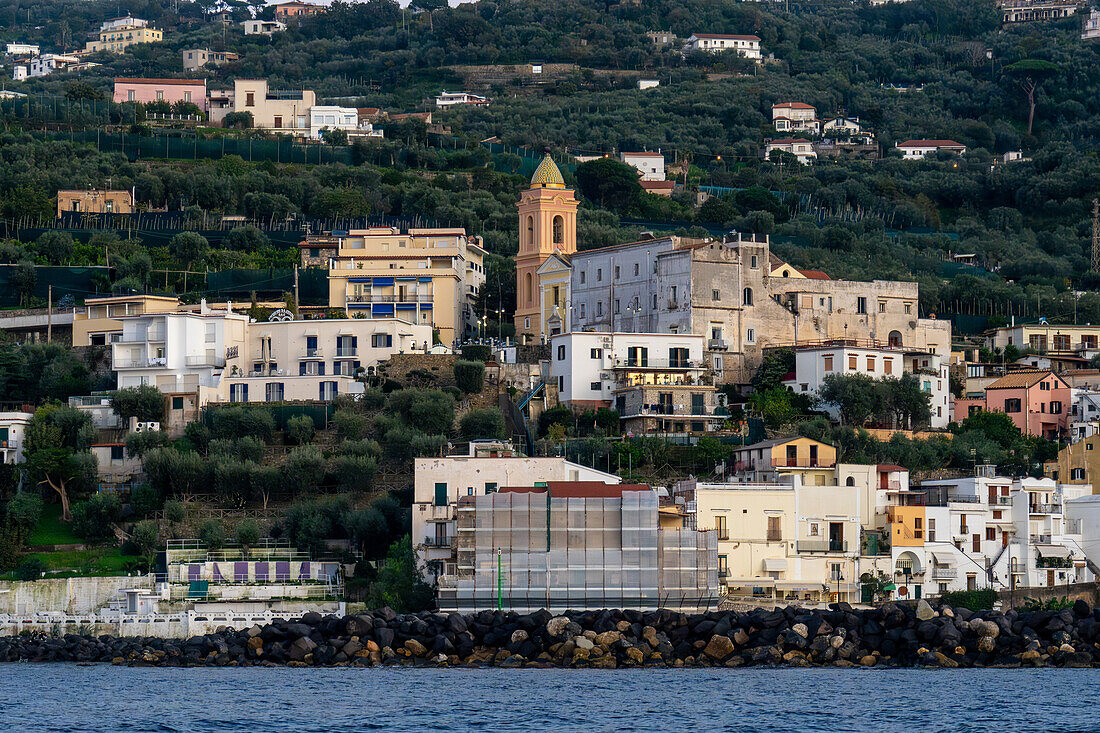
786	273
746	297
529	288
895	339
559	229
850	481
530	231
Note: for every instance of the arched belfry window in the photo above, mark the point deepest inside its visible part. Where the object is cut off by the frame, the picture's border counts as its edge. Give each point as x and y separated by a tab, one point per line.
559	229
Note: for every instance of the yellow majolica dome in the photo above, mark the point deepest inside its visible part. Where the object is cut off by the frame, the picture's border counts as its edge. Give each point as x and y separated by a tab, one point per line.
547	174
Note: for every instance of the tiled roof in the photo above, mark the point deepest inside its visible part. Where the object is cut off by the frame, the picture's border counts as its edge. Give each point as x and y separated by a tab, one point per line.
794	105
723	35
1017	380
930	144
815	275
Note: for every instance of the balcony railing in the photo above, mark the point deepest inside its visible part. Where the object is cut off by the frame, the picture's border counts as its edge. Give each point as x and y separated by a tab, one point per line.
658	364
822	546
717	344
155	361
204	360
940	572
802	463
364	298
1045	509
963	499
347	351
438	541
314	351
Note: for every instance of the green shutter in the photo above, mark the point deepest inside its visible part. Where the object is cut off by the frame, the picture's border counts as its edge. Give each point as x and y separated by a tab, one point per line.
441	494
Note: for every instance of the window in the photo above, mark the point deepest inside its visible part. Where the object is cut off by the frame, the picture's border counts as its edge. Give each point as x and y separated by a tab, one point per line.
250	99
678	357
775	530
1077	474
828	363
882	306
130	96
616	305
238	393
720	527
187	96
861	305
870	363
990	533
1088	446
1055	407
637	356
559	229
715	295
746	297
596	353
908	309
672	294
594	386
931	529
160	96
381	340
655	301
976	543
441	494
887	366
716	333
616	272
582	310
582	277
177	403
853	362
1044	386
274	392
1012	405
561	384
599	274
599	309
117	452
561	352
753	262
635	269
750	335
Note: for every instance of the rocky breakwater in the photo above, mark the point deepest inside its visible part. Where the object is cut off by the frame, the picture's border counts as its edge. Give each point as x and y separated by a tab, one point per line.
891	635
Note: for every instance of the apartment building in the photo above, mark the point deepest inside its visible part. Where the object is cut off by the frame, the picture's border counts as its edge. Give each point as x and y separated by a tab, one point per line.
450	99
48	63
657	382
799	147
270	108
747	46
118	34
423	276
296	9
1091	27
742	298
21	49
562	545
1025	11
172	91
875	359
348	119
1038	402
316	359
1047	339
770	460
197	58
95	201
439	483
13	432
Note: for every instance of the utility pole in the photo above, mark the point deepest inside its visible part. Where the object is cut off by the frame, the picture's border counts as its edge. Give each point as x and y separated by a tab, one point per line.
49	314
296	303
1096	235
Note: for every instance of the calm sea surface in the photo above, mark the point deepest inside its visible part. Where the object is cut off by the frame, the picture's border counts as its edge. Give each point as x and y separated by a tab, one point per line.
57	697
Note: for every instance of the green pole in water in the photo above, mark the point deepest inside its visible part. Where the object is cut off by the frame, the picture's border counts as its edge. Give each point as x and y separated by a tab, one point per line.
500	582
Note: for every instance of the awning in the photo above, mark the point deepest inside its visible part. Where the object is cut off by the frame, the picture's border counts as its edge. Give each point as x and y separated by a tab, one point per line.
1052	551
775	564
744	582
798	585
943	559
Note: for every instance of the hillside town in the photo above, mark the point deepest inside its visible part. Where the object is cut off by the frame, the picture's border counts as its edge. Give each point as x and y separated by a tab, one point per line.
546	330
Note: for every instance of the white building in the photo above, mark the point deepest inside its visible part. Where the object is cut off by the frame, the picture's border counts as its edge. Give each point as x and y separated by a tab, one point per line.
795	117
658	382
327	117
13	429
842	125
916	149
815	361
1091	27
48	63
450	99
21	49
648	83
798	147
992	531
650	165
747	46
263	27
438	484
1084	413
19	72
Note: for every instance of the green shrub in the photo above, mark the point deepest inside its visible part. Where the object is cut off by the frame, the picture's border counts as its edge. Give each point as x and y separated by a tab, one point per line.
975	600
30	569
238	421
247	448
350	425
175	511
477	352
299	430
212	534
146	537
304	468
352	473
486	423
139	444
92	519
24	511
469	376
365	448
144	499
146	403
248	533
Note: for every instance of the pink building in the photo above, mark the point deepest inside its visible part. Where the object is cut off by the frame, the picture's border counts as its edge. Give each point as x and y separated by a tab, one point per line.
1037	401
162	90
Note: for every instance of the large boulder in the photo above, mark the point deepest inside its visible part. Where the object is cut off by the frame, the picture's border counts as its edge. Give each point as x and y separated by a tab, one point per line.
301	647
719	648
925	610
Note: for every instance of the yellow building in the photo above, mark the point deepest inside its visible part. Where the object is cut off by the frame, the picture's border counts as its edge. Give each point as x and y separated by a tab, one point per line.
769	459
118	34
553	277
98	325
907	525
423	276
1078	463
547	226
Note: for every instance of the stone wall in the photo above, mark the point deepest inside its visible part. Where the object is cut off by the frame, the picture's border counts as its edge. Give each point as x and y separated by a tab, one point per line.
1087	592
420	370
65	595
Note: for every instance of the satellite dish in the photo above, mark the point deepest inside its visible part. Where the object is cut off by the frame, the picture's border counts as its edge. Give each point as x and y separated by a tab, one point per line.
280	316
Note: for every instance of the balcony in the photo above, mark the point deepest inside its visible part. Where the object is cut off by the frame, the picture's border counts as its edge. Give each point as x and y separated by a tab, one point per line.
365	298
658	364
434	513
154	361
1045	509
822	546
141	337
944	572
802	463
314	352
717	344
204	360
439	541
347	351
963	499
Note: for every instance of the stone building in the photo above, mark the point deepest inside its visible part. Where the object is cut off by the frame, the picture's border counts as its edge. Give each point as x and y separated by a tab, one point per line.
95	201
742	298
